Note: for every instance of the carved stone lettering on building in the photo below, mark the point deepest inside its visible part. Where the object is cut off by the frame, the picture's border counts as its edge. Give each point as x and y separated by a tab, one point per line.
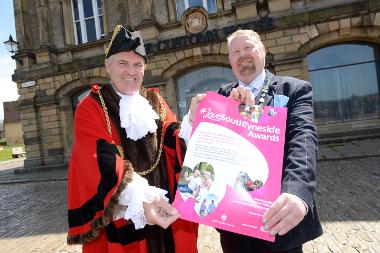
216	35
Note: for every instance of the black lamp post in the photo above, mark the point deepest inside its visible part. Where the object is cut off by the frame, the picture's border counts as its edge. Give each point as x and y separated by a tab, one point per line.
11	45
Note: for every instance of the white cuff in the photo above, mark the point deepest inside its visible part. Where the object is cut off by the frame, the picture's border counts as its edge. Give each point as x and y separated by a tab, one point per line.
133	196
306	206
186	128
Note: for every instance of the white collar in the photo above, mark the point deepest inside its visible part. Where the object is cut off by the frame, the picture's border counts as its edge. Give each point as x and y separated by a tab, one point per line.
137	116
255	84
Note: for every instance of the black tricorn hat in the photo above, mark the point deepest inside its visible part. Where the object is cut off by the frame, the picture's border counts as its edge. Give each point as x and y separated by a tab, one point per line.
125	40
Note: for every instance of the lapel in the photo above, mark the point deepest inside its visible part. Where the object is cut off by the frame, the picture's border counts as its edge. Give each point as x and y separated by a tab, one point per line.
272	79
233	86
272	88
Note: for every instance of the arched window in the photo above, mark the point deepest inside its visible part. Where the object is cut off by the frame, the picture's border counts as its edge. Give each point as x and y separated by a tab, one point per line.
346	80
88	20
78	97
182	5
200	81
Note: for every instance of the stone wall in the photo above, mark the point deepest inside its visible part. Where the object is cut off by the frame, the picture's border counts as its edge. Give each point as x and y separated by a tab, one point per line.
13	133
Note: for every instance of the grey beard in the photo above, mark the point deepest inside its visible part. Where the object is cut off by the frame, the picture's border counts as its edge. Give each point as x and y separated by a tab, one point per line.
250	69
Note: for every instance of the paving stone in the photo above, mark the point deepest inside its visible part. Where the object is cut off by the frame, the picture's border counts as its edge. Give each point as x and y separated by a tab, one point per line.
326	152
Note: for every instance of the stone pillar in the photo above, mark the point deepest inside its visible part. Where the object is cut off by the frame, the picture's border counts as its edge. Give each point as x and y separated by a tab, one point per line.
219	5
146	10
23	28
51	137
44	22
68	27
67	126
116	13
32	138
135	17
161	14
57	23
172	11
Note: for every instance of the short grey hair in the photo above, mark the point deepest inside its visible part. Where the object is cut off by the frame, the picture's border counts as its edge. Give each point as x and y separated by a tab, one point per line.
240	33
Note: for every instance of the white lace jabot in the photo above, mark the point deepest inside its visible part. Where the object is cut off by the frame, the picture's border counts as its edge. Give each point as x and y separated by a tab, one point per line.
137	116
132	197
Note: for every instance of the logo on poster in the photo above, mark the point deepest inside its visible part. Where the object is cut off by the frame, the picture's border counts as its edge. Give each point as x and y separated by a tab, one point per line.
224	217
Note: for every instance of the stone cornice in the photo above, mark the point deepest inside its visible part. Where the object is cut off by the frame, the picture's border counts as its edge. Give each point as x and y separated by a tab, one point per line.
58	69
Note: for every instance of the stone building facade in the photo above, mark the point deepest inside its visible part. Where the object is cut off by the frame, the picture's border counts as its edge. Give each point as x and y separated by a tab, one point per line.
12	124
62	42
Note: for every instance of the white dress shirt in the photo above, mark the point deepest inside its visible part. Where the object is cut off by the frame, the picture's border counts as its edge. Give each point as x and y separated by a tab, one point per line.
255	85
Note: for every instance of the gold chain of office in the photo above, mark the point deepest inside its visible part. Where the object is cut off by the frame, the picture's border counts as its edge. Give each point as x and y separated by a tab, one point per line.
162	115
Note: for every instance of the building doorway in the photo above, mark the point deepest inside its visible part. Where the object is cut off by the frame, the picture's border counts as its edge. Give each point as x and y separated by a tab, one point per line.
199	81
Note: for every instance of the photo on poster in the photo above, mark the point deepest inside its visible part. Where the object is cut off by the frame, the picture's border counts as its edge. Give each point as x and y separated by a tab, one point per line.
252	113
206	205
196	182
246	182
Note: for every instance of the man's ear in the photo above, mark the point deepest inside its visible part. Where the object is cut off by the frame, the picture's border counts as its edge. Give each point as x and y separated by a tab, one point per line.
265	50
107	63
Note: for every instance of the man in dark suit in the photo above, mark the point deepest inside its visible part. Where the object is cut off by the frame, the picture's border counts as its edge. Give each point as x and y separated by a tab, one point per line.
293	216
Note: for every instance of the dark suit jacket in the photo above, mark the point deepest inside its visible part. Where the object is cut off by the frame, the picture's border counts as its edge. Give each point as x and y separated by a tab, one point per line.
300	149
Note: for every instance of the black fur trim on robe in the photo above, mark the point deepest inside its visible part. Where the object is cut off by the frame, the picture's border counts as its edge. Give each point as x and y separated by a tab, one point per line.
142	154
107	162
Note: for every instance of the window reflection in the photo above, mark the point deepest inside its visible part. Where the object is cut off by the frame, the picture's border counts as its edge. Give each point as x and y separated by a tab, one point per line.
200	81
345	81
88	20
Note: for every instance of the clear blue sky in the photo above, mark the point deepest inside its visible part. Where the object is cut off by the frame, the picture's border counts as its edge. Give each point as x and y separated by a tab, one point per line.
7	65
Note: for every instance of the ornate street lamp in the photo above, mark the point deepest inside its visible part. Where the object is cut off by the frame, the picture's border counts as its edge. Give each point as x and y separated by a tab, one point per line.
11	45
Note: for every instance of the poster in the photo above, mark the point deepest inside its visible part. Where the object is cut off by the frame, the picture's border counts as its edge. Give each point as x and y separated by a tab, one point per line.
232	169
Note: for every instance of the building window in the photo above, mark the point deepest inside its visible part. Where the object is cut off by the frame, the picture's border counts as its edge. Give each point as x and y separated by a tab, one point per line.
76	98
88	20
182	5
346	82
200	81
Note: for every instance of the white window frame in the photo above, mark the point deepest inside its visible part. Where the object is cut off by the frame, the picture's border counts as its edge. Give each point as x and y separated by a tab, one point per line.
82	20
203	1
187	6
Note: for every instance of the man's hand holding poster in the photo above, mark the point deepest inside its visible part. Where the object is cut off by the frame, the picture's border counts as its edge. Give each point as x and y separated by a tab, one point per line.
233	164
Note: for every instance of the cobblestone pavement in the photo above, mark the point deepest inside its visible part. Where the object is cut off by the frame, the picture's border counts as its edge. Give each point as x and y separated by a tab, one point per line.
33	214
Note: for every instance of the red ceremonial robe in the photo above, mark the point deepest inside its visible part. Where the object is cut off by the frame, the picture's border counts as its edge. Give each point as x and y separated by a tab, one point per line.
98	173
